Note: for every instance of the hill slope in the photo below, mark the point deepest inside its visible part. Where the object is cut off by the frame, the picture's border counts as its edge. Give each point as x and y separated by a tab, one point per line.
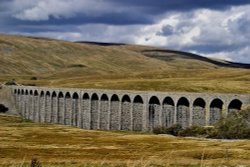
119	66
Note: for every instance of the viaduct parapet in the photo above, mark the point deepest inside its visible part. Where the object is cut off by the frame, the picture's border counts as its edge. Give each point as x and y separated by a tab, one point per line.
122	110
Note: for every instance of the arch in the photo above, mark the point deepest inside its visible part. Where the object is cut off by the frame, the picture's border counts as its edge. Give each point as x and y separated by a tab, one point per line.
126	108
114	98
85	96
54	110
61	108
94	97
199	112
154	100
234	106
85	116
36	107
48	107
154	112
104	97
183	101
41	114
42	93
215	111
68	109
94	107
168	100
47	93
126	98
3	108
137	113
35	93
22	102
168	111
15	91
18	101
104	112
114	112
53	94
75	96
183	113
75	109
30	106
138	99
60	95
67	95
26	104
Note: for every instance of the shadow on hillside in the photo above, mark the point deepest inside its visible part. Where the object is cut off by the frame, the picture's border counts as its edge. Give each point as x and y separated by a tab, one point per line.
186	55
100	43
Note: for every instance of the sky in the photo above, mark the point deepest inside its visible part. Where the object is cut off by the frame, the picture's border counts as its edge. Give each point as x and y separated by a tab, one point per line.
212	28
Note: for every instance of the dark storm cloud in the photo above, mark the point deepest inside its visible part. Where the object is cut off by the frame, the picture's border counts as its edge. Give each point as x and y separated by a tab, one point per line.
119	12
203	26
159	6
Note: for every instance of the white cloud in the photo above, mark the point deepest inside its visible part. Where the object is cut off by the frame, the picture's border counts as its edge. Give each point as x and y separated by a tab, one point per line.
219	34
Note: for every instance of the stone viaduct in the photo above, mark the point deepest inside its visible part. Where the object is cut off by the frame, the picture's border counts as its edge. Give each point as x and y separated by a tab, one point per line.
122	110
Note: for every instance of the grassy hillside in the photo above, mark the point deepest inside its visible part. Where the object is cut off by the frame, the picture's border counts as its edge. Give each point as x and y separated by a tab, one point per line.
57	145
93	65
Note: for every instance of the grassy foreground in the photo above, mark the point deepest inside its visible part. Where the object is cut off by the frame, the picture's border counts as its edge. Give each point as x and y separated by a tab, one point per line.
57	145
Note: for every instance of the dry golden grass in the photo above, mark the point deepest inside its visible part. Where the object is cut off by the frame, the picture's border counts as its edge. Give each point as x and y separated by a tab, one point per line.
66	64
58	145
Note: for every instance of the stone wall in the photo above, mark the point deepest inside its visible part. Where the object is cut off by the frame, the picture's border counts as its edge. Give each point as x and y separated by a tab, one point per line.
122	110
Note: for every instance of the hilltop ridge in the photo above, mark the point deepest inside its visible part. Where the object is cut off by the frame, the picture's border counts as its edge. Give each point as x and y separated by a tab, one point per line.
48	62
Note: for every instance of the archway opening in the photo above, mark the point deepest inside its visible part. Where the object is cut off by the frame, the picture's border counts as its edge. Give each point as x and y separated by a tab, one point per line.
85	96
126	113
104	111
41	115
137	113
215	111
199	115
60	108
36	108
104	97
75	110
183	112
85	111
3	108
234	106
154	111
114	112
36	93
94	111
168	111
68	109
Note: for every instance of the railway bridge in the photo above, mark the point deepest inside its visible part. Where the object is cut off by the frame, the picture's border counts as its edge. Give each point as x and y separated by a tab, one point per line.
120	109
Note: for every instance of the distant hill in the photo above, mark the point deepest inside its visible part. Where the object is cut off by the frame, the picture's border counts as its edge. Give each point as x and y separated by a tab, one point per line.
43	61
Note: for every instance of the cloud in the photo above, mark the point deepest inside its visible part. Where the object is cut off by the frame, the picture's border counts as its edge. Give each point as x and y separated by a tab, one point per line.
90	32
212	28
99	11
166	30
221	34
44	9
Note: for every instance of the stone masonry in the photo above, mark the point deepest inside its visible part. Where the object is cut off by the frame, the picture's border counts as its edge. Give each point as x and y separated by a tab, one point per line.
118	109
